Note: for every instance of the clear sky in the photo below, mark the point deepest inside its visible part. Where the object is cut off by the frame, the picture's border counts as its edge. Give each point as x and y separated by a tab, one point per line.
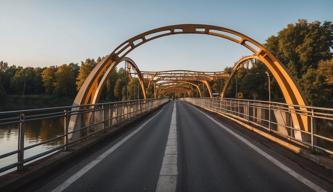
53	32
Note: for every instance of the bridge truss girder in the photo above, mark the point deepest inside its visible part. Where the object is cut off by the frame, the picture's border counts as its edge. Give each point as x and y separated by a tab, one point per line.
162	84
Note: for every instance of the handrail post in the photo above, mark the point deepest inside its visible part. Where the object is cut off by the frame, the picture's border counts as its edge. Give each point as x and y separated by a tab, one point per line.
269	117
104	111
248	110
110	115
66	119
20	154
312	131
93	125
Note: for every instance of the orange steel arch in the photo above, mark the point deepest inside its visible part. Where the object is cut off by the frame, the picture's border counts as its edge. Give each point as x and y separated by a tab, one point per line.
175	88
205	82
111	68
183	82
95	80
299	121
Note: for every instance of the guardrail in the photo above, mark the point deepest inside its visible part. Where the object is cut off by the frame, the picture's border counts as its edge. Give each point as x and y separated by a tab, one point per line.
93	119
276	118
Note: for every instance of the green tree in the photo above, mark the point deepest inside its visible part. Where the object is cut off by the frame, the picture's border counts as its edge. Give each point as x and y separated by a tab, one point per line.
26	81
325	67
311	83
108	91
64	84
3	93
302	45
48	78
118	89
7	73
85	69
305	48
134	89
18	81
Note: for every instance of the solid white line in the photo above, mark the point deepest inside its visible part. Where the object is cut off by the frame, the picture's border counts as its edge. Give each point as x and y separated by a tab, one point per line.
93	163
167	180
267	156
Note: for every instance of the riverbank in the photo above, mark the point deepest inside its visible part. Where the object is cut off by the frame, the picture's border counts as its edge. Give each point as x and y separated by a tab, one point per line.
17	102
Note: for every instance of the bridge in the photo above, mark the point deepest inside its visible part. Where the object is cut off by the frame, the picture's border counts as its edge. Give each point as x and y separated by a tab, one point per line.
198	141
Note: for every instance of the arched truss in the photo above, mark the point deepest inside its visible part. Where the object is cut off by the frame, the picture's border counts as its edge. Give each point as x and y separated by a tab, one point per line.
176	88
184	75
289	88
112	67
182	82
209	89
205	83
89	91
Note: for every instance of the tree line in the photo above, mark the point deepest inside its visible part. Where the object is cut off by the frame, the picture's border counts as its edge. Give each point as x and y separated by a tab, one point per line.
63	81
305	48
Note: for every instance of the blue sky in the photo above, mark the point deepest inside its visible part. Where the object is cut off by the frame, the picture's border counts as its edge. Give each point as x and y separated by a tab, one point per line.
53	32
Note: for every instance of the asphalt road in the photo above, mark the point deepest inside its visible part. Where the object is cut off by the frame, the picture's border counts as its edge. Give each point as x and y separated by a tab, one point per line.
209	159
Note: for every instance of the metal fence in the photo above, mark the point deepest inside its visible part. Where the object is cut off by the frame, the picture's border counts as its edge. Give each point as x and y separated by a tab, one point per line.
276	118
65	126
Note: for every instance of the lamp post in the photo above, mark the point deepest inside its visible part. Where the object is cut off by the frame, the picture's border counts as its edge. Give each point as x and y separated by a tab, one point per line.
269	99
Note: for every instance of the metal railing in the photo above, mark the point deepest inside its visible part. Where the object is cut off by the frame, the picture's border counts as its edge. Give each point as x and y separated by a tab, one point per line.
276	119
90	120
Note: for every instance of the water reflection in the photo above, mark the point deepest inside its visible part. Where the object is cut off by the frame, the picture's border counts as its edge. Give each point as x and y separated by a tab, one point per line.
35	132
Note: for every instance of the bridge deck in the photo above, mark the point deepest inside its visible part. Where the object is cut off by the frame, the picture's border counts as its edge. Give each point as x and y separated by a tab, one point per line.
209	158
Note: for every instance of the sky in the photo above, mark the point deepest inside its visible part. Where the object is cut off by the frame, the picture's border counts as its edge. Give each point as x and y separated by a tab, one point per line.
53	32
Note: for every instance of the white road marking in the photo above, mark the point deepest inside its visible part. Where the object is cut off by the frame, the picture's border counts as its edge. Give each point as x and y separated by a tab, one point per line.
167	182
267	156
93	163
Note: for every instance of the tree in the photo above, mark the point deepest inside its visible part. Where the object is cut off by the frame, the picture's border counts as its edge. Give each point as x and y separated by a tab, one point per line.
108	91
3	93
85	69
325	67
64	84
18	82
302	45
48	78
312	82
134	89
305	47
118	89
7	74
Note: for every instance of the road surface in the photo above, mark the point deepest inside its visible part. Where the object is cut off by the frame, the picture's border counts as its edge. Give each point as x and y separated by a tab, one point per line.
183	149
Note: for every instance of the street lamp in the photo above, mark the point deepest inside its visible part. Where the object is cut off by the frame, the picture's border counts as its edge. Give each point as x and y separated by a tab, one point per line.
269	99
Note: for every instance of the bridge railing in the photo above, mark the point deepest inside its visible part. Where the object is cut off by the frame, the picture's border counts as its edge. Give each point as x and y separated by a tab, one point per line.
41	132
276	119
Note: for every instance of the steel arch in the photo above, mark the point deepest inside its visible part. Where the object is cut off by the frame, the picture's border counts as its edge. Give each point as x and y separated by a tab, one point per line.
88	91
174	88
111	68
299	121
183	82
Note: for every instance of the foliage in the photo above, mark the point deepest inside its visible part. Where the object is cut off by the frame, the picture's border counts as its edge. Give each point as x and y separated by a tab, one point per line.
302	45
64	83
48	78
306	49
85	69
